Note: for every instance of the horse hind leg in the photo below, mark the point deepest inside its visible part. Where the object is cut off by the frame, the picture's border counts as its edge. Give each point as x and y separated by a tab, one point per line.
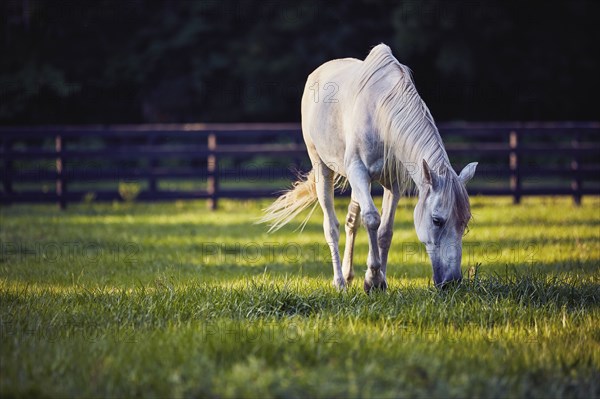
352	224
324	186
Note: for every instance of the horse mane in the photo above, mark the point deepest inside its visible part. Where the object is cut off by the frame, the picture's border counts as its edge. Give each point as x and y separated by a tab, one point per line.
407	127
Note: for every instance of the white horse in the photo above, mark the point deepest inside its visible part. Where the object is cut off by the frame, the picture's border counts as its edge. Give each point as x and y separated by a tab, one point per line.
374	126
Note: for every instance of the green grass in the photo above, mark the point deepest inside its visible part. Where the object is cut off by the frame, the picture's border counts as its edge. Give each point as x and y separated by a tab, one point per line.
172	300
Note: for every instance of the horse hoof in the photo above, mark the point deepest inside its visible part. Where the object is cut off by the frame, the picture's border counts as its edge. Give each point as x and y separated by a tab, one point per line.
369	286
339	283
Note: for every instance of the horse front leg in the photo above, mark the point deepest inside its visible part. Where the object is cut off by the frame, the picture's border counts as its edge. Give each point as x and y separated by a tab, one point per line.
360	181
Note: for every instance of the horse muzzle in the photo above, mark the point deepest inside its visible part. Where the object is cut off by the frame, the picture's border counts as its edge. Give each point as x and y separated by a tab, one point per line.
446	272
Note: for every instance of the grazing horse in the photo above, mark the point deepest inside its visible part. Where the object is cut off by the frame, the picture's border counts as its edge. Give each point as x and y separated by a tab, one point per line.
373	126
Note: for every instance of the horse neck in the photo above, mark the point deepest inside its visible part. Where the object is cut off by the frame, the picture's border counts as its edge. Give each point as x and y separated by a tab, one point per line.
426	146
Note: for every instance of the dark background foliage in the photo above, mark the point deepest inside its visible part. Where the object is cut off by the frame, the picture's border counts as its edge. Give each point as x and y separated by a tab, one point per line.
137	61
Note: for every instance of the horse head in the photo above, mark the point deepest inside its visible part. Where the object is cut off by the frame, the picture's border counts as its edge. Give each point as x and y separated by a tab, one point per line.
441	217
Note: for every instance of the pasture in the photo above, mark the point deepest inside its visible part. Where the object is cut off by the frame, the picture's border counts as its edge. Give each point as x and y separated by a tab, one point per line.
129	299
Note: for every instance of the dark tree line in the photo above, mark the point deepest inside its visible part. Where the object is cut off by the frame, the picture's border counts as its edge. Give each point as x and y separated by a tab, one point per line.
208	60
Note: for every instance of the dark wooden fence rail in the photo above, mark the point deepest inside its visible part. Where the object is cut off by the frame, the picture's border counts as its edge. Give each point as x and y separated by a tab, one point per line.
508	155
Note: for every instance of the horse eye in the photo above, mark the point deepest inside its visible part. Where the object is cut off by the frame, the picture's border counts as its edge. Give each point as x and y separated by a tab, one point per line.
438	222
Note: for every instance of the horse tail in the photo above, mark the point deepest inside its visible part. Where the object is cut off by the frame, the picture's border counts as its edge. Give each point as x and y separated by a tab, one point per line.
292	202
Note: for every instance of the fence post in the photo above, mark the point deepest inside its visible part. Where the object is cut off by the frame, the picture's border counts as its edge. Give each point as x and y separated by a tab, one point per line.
515	176
7	178
576	176
61	182
213	172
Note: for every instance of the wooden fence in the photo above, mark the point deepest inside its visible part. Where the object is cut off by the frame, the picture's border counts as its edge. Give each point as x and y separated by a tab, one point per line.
65	164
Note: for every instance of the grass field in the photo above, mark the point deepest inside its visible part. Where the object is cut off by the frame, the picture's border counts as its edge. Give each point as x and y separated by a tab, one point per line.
123	300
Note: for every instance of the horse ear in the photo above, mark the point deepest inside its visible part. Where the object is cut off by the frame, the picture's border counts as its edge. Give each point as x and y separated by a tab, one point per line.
429	176
467	173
